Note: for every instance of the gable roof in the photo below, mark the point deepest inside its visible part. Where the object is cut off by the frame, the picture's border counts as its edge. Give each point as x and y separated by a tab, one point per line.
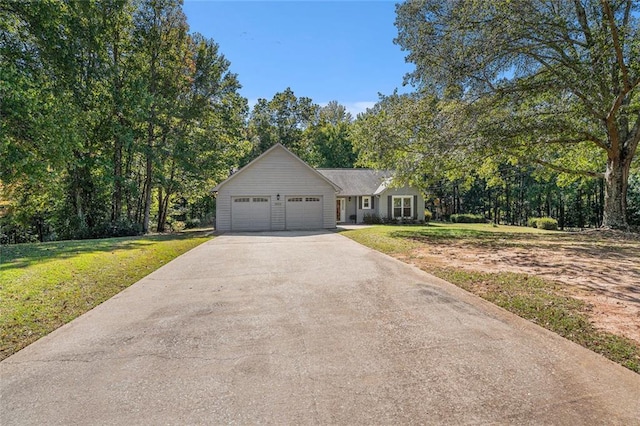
275	147
357	181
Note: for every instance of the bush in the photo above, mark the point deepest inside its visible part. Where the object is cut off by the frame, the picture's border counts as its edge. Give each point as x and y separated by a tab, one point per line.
547	223
177	226
467	218
120	228
371	219
532	222
427	216
192	223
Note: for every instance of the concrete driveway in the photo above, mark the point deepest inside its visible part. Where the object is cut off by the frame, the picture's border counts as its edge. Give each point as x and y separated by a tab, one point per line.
306	328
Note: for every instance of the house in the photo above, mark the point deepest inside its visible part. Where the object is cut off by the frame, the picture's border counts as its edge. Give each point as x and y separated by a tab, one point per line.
367	192
279	191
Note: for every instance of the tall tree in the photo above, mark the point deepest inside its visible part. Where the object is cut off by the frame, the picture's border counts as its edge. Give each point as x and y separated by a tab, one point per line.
330	137
206	135
162	32
283	120
555	82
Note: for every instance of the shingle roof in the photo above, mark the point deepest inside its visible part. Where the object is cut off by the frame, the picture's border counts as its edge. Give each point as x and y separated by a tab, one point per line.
356	181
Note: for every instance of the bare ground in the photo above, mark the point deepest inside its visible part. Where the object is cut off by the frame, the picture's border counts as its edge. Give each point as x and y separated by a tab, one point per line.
600	267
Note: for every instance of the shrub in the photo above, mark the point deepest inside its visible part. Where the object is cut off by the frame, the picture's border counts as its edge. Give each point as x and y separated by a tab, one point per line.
192	223
427	216
532	222
467	218
371	219
177	226
547	223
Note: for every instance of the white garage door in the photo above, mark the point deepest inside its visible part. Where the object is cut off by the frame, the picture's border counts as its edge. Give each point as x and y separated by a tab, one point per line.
304	212
250	213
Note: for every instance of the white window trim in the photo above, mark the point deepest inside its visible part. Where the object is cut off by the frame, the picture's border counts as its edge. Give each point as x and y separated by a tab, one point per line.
367	198
402	206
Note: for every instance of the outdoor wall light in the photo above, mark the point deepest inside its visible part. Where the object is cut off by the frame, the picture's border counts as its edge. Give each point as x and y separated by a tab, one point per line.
278	197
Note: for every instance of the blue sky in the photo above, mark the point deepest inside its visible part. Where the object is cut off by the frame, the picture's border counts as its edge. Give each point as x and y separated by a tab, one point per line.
325	50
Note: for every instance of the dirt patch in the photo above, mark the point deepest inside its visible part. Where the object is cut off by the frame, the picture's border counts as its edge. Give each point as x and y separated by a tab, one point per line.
603	269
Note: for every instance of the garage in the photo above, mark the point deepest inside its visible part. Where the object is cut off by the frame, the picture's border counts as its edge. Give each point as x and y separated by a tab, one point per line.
250	213
304	212
275	192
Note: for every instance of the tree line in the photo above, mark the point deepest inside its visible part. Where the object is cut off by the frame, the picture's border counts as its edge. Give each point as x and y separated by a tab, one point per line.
109	110
516	83
117	120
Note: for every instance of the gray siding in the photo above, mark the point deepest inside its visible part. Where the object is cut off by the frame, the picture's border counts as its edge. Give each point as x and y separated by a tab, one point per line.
383	205
277	172
362	212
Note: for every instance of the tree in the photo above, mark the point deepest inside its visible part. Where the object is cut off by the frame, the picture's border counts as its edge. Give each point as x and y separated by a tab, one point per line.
206	137
330	138
417	136
283	120
551	82
107	106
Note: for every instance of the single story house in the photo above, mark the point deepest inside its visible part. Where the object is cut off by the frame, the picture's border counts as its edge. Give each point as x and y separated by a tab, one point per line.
279	191
366	192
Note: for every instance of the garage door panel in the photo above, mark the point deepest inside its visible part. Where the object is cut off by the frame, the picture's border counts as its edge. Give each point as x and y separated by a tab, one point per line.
250	213
304	212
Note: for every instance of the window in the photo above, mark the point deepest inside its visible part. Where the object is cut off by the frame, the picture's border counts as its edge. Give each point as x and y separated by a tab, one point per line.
312	199
242	200
403	206
366	203
260	200
294	199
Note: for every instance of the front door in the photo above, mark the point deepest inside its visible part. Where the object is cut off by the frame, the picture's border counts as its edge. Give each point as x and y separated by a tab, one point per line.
340	210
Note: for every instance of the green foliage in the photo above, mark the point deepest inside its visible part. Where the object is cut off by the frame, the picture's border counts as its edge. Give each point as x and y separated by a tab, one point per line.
555	87
633	200
319	135
547	223
467	218
428	216
532	222
371	219
283	120
112	113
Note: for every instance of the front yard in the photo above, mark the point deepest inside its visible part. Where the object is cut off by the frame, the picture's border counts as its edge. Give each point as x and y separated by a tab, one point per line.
583	286
44	286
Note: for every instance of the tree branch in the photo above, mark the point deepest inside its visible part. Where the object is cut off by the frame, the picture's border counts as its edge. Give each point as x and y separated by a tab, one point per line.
568	170
616	45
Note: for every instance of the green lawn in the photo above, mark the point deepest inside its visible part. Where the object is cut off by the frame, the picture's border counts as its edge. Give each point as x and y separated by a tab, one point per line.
544	302
43	286
401	239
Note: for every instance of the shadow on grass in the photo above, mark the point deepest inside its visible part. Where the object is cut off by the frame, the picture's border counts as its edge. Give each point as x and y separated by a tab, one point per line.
24	255
584	244
594	261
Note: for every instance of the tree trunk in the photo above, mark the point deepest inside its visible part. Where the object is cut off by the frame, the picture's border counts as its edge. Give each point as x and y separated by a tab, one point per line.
616	179
116	211
162	211
147	183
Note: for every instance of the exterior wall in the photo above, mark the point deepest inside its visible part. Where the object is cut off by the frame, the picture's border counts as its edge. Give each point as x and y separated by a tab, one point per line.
351	209
383	201
380	204
362	212
275	173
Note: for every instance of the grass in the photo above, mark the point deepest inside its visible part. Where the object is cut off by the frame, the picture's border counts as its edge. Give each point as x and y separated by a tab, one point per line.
543	302
43	286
